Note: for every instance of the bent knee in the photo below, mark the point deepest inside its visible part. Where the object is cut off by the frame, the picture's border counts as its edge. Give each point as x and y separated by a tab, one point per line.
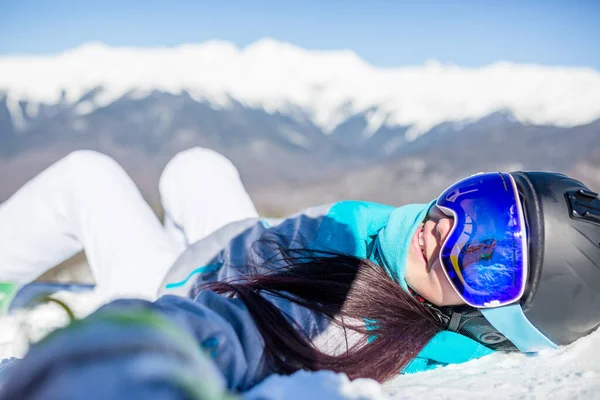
196	162
200	157
90	164
84	158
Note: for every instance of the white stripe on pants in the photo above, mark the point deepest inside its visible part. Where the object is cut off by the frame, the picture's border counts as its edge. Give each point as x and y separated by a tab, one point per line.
87	201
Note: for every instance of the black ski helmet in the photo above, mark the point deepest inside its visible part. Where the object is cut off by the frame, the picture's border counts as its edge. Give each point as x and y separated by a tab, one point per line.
562	297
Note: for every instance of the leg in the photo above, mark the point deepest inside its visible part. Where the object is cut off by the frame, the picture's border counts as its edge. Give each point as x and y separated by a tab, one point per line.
85	200
201	191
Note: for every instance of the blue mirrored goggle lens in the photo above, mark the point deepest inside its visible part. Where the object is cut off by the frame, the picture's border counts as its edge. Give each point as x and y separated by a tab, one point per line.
485	254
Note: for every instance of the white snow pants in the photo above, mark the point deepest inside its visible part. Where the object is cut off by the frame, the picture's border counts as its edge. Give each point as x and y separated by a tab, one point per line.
87	201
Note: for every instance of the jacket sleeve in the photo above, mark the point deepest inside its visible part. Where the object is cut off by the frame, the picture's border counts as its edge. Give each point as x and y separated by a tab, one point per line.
172	345
446	348
347	227
230	251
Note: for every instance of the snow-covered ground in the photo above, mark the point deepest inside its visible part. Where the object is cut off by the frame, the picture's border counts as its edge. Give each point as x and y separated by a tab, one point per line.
567	373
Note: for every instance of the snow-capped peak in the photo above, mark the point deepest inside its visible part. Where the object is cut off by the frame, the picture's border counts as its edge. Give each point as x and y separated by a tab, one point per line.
328	86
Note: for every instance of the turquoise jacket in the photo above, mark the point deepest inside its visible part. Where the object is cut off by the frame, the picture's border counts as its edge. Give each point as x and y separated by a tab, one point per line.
372	231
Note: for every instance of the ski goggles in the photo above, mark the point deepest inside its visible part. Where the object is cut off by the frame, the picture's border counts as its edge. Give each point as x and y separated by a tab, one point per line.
485	253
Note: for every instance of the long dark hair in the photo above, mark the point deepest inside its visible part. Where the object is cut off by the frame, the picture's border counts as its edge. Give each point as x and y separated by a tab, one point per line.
347	290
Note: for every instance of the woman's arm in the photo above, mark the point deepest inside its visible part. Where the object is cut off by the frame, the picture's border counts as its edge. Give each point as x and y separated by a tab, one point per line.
159	349
347	227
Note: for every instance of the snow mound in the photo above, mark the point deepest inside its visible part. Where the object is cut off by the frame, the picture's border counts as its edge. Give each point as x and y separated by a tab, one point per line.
570	372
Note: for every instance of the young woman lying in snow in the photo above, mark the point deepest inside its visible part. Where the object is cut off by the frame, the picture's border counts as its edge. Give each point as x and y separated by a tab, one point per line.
499	262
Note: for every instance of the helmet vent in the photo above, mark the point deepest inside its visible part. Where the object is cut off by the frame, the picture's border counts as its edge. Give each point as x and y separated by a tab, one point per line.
585	205
587	194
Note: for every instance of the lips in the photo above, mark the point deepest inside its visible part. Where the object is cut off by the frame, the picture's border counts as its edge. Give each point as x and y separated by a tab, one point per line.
418	244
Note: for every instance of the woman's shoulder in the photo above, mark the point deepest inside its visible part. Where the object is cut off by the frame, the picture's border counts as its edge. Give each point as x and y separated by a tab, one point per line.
364	217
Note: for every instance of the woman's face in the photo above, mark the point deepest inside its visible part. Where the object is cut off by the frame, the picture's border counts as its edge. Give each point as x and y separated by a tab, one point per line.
423	270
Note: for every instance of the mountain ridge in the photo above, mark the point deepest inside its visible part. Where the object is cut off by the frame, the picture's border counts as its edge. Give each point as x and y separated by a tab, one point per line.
327	87
302	126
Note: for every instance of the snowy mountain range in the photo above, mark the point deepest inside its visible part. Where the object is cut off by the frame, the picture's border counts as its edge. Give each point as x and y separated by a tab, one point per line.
327	87
285	114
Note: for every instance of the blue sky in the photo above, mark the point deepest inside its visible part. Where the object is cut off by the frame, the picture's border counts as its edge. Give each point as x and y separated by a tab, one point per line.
385	33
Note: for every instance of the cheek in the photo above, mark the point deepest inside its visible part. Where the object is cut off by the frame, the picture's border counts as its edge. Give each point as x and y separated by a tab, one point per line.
448	296
432	285
426	284
416	274
412	263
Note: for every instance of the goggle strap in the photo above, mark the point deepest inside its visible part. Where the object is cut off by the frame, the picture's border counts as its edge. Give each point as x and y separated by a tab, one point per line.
454	322
511	322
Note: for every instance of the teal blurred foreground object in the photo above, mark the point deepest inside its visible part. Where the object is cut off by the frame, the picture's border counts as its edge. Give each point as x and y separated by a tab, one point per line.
14	297
8	291
125	350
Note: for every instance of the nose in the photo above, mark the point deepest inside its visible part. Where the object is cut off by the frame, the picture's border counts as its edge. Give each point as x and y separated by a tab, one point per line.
443	223
443	227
